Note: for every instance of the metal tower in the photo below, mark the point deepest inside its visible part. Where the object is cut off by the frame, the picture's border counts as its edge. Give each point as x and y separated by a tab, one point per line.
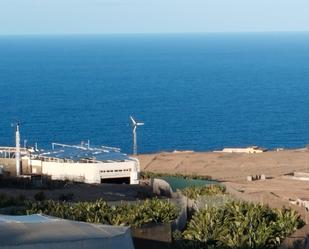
17	152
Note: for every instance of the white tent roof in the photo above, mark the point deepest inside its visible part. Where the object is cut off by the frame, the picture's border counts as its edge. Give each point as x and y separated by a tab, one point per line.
40	231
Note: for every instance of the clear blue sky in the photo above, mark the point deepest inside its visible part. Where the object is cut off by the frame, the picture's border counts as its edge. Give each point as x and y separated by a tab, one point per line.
151	16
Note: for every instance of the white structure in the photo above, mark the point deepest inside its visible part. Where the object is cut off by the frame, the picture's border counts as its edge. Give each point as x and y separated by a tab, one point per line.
253	149
86	164
134	126
17	152
40	231
80	163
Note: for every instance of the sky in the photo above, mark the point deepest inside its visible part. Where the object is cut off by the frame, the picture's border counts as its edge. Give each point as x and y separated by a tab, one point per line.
151	16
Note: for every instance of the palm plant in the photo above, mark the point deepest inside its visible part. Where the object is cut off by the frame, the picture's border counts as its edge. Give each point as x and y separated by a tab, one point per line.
148	211
242	225
193	192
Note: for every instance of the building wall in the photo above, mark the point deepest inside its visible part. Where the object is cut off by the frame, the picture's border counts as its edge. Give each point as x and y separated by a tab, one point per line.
242	150
82	172
88	172
10	166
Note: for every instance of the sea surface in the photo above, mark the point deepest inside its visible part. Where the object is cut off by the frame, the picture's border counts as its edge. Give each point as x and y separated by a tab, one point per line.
193	91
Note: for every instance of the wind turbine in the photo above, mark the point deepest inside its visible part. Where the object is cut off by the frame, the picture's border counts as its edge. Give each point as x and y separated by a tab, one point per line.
134	126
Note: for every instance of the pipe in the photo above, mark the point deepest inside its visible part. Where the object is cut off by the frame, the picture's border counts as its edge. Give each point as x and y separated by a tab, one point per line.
17	152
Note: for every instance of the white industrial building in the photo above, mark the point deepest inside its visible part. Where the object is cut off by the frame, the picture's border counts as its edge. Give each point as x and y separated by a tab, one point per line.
85	164
80	163
252	149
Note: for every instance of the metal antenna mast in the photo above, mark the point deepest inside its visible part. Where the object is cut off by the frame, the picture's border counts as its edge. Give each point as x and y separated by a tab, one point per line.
17	152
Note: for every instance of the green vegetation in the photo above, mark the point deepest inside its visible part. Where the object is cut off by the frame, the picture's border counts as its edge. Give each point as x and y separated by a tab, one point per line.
7	201
193	192
43	182
40	196
151	175
66	197
148	211
222	223
240	225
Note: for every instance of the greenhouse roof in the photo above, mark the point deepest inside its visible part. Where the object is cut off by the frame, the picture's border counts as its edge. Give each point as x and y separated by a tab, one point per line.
80	152
40	231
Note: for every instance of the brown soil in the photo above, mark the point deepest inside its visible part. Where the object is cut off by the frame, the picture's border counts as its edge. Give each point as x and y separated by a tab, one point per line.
233	169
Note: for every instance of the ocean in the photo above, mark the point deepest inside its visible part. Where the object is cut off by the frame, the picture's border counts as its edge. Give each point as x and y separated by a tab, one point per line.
193	91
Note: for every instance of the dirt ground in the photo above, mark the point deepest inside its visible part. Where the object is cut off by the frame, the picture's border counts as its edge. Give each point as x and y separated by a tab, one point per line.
227	166
233	169
230	168
87	192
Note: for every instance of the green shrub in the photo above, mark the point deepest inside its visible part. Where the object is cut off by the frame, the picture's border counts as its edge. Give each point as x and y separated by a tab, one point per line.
6	201
148	211
151	175
242	225
40	196
193	192
66	197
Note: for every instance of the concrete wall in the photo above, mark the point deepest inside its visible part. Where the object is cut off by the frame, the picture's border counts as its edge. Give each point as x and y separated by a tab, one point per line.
152	236
88	172
161	187
242	150
297	240
10	166
81	172
301	174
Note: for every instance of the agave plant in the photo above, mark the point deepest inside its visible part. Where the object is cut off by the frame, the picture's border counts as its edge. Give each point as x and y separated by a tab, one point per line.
193	192
205	226
148	211
242	225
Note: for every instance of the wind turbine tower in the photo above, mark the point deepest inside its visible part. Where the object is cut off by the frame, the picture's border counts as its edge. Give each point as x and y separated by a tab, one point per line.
134	126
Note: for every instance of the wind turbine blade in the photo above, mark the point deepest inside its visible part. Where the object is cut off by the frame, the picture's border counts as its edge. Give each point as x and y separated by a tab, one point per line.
140	123
133	121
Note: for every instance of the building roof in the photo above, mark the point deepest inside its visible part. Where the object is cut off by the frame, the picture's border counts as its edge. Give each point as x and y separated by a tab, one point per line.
40	231
80	152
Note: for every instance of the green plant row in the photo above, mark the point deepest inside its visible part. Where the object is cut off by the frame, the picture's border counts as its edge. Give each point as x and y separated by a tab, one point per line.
240	225
148	211
151	175
6	201
193	192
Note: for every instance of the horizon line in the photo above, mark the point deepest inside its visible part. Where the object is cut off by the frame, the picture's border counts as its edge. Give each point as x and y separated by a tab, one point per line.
156	33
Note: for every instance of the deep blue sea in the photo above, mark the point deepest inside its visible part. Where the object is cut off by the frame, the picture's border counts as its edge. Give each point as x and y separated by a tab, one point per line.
194	92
